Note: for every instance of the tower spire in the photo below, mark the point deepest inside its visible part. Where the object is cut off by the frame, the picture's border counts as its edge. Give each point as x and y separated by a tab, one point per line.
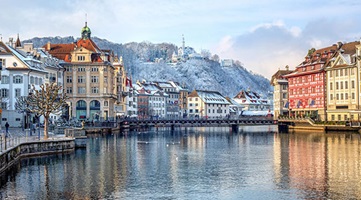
183	45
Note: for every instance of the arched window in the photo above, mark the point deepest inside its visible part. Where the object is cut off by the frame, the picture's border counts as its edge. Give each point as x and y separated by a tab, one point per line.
81	109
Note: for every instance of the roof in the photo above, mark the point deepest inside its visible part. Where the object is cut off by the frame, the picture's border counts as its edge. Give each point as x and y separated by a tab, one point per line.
213	97
4	49
279	75
61	51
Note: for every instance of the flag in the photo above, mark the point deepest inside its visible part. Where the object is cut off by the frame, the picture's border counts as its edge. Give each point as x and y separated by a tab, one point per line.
287	104
312	102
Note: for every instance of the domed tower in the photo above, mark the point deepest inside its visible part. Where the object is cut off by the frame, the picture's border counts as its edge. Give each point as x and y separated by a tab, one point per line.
85	32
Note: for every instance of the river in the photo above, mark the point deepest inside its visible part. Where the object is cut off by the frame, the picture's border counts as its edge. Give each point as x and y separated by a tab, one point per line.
195	163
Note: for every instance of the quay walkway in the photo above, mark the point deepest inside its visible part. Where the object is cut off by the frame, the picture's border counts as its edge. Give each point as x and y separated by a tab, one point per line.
17	136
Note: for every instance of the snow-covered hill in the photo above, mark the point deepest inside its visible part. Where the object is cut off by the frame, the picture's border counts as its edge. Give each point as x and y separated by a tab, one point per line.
194	73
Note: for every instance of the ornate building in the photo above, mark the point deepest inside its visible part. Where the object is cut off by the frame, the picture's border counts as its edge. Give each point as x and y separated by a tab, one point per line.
89	79
306	84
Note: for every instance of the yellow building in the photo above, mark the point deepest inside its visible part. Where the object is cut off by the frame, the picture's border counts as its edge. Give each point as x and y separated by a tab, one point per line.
342	75
89	78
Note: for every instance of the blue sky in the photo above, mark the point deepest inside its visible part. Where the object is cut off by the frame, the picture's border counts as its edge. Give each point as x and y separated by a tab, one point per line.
264	35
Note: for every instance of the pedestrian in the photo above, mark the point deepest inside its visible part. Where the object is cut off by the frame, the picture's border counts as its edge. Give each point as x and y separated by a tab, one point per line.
7	127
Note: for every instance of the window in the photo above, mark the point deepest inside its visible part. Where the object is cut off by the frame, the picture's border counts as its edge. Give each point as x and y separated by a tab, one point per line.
345	117
4	79
353	95
32	80
36	81
331	86
341	84
81	69
81	58
4	93
341	72
81	79
17	92
4	106
346	96
105	79
2	64
330	72
69	79
336	73
346	84
353	84
18	79
346	72
331	96
81	90
341	96
352	71
94	69
336	85
41	81
95	90
94	79
69	90
68	69
337	96
106	103
339	117
333	117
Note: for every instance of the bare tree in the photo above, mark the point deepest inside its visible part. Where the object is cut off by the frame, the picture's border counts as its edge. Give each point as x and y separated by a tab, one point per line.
46	100
22	107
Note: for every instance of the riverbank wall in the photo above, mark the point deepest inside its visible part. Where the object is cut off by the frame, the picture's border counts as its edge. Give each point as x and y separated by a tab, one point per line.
35	148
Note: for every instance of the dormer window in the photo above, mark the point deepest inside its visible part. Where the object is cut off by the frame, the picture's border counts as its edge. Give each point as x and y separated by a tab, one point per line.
81	58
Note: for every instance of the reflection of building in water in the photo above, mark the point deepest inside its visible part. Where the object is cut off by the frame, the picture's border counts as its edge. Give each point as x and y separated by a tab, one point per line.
344	164
327	165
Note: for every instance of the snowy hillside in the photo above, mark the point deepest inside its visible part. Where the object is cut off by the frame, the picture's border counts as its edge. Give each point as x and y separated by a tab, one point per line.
194	73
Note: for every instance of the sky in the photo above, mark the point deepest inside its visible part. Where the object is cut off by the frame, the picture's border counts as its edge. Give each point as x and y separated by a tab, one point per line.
264	35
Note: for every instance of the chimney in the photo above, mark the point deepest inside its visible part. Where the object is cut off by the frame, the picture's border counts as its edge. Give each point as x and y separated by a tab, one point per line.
11	41
48	46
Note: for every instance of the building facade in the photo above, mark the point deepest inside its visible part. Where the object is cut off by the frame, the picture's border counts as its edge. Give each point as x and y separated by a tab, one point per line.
306	84
280	93
89	79
207	104
342	72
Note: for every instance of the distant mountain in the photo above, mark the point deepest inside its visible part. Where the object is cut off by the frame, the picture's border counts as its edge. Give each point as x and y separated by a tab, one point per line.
206	74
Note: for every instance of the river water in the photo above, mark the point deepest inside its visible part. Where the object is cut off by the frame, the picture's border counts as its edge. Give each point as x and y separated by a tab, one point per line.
195	163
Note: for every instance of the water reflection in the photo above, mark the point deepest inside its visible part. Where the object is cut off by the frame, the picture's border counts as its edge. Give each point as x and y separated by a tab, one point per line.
195	163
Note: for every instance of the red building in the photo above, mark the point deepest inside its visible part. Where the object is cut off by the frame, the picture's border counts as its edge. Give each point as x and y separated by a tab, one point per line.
306	85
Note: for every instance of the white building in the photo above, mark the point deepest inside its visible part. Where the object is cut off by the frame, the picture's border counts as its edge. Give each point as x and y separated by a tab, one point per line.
19	71
208	104
252	101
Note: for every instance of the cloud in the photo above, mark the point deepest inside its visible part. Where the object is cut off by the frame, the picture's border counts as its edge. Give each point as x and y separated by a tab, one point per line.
268	47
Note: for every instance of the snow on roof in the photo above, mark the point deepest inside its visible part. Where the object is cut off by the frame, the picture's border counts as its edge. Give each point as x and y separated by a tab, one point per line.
256	113
212	97
27	59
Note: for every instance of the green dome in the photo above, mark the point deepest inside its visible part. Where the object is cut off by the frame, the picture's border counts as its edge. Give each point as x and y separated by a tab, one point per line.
85	32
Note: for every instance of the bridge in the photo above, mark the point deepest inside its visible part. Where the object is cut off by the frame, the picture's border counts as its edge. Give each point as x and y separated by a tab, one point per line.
231	122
